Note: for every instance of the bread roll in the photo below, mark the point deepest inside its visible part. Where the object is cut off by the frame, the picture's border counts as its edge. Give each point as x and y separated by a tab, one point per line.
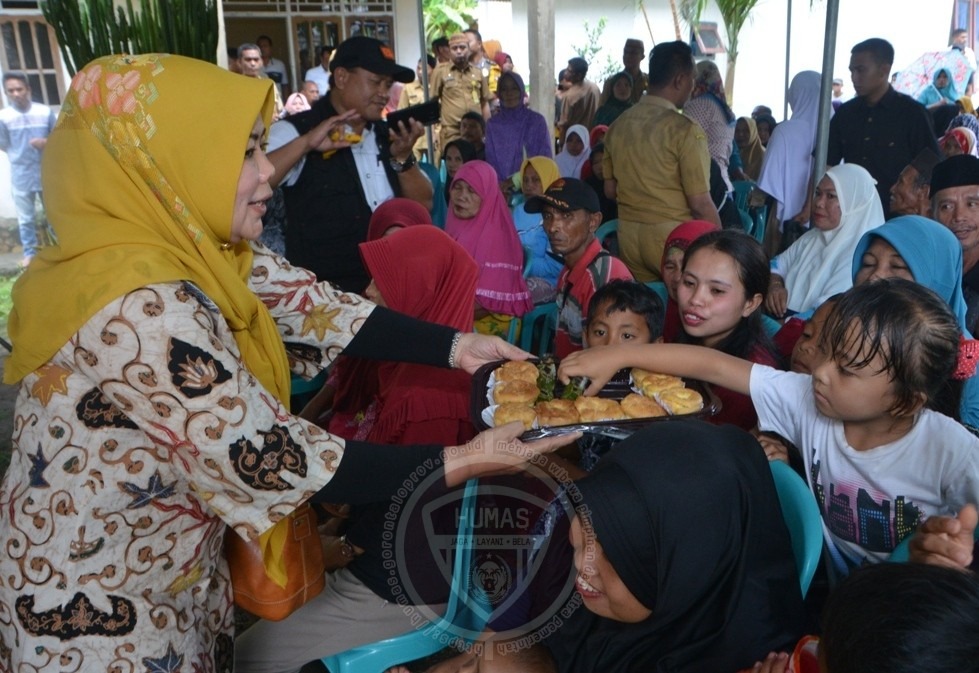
593	409
657	383
509	412
521	392
556	412
517	370
679	401
637	406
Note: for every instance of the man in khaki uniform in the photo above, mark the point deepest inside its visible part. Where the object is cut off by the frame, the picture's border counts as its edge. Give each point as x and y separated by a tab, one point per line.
460	87
656	163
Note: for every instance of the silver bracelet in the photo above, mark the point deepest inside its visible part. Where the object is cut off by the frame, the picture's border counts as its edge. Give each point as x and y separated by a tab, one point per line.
452	351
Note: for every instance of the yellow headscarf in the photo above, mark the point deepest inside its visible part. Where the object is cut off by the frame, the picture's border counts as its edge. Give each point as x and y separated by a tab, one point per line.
139	185
753	152
965	102
546	169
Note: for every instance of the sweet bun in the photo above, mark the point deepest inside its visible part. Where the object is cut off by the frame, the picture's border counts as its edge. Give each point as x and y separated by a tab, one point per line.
517	370
637	406
592	409
657	383
509	412
639	375
522	392
679	401
556	412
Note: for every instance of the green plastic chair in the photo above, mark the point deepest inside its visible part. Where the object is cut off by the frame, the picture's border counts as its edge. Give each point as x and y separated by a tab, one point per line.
802	518
464	620
542	321
742	190
659	287
606	230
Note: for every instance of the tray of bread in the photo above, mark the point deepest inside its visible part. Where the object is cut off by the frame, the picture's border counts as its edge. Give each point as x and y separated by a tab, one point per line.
528	391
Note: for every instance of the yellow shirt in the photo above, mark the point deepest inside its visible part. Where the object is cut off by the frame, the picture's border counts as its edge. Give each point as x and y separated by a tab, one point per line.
657	156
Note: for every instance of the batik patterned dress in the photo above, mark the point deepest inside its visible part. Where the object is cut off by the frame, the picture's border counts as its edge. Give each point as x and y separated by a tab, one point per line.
135	447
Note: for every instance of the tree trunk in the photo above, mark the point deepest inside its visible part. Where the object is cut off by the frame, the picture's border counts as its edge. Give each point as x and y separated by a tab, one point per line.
729	78
676	19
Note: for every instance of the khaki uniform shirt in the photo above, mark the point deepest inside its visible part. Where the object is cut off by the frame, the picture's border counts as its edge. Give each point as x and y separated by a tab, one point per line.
459	92
657	156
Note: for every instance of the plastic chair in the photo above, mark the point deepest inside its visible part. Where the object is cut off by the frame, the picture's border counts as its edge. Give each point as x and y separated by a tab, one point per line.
544	315
742	191
606	230
801	514
528	259
759	222
464	619
302	390
659	287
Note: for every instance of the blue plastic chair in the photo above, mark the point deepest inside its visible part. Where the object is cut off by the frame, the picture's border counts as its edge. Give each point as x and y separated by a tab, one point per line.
759	222
606	230
742	191
659	287
464	619
541	320
801	514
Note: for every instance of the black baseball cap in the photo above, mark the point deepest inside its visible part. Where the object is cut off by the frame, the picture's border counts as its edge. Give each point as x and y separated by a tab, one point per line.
566	194
370	54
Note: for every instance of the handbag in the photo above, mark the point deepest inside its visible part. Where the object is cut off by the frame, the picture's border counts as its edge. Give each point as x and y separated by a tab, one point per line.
302	556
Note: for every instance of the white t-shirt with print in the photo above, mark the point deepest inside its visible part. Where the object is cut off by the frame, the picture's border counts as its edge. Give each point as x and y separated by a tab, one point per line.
870	500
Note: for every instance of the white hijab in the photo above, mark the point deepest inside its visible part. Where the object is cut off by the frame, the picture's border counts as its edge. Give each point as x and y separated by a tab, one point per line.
569	166
819	264
788	158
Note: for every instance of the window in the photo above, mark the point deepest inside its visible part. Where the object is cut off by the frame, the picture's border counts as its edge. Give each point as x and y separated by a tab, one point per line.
28	44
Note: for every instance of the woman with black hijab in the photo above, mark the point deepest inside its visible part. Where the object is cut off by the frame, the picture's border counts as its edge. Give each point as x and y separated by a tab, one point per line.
683	559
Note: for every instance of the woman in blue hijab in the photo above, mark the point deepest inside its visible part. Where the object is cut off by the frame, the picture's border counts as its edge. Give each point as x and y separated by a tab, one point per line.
922	250
940	92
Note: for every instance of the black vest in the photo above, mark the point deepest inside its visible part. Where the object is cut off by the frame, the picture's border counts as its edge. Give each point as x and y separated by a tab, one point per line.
327	212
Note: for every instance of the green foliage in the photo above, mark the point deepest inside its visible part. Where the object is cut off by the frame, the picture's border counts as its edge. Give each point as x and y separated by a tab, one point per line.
598	71
734	13
444	17
88	29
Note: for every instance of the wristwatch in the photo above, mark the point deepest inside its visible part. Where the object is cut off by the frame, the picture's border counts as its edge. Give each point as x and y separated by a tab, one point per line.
402	166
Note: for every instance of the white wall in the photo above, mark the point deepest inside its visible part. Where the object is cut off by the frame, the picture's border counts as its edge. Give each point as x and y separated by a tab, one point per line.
761	63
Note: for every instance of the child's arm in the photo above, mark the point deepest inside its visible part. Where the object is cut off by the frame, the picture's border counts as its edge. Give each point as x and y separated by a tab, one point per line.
695	362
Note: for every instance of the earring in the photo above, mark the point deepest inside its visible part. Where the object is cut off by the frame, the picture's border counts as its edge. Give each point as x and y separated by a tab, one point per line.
227	246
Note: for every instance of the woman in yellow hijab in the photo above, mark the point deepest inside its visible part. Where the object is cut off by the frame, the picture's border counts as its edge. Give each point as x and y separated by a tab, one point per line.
148	346
535	176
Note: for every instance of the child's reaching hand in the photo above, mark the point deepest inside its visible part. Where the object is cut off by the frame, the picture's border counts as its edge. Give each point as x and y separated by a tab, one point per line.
945	540
597	364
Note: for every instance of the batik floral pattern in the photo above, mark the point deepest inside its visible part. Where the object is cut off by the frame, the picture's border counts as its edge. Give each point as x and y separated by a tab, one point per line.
135	448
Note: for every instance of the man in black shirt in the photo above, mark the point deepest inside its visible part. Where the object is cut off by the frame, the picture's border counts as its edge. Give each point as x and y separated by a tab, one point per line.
880	129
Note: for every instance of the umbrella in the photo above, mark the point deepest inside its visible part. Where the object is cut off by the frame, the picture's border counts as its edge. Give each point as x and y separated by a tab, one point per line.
914	79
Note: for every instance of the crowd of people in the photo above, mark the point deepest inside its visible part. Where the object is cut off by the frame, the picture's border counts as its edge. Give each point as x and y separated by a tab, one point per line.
155	413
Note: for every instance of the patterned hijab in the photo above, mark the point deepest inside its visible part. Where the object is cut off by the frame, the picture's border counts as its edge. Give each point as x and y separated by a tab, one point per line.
708	82
153	206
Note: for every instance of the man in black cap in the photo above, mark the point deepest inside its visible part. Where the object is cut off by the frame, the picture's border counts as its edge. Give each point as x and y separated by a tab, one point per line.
330	197
955	203
571	214
910	195
580	102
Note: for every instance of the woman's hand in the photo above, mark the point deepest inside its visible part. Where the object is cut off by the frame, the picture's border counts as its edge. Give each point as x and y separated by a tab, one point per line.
778	297
403	139
319	140
597	364
945	540
496	451
475	350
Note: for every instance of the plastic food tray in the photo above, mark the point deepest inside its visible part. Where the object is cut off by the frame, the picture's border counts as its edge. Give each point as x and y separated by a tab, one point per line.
617	388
